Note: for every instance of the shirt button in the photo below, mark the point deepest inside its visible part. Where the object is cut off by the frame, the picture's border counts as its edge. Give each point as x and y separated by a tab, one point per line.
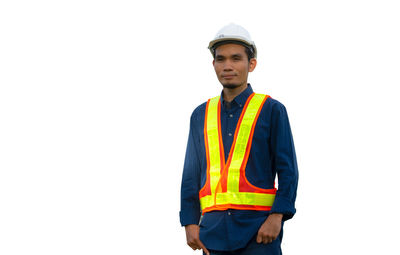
231	115
229	213
240	105
230	134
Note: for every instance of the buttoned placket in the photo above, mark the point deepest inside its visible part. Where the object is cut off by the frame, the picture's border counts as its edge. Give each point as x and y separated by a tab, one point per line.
229	117
230	120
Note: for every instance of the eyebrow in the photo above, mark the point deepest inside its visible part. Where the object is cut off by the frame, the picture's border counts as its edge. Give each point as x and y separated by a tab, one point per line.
238	55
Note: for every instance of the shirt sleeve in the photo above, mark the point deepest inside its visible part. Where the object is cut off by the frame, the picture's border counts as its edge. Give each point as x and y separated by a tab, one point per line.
190	202
284	162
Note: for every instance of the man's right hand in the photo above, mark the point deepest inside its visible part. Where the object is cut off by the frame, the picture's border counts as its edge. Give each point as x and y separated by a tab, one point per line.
193	239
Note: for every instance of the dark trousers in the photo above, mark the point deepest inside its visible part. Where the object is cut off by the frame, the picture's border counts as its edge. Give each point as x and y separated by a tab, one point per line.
254	248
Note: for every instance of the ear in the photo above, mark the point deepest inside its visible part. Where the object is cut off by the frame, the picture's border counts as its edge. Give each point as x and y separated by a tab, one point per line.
213	62
252	64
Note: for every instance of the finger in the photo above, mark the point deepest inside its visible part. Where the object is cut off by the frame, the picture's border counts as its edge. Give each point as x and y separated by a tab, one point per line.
193	245
259	238
203	247
267	240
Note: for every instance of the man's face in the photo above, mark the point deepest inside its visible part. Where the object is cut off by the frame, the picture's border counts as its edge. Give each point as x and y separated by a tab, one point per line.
232	66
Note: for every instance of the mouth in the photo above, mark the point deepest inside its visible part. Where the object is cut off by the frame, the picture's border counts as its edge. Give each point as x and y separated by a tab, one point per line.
228	76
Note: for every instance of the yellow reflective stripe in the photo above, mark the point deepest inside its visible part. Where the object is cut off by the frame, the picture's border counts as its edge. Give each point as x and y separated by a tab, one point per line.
245	198
206	201
242	141
213	143
239	198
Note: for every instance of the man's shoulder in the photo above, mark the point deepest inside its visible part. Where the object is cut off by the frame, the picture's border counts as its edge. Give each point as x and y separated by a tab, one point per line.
199	111
200	108
273	103
273	107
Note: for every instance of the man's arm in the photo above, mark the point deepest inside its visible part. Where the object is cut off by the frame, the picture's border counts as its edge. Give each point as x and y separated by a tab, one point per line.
190	186
284	162
190	202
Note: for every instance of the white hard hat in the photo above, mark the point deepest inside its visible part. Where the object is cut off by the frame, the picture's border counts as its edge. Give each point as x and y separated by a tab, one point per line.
234	33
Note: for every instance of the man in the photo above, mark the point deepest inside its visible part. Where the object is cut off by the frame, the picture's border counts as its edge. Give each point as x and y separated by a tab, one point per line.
238	142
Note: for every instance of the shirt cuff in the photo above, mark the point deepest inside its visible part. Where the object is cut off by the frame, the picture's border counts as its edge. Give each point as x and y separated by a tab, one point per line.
189	218
284	206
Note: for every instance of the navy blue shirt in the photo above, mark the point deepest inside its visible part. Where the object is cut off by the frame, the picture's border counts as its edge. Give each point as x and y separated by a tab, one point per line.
272	153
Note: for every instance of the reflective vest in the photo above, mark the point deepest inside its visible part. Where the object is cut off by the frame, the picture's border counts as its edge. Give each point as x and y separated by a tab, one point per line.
226	186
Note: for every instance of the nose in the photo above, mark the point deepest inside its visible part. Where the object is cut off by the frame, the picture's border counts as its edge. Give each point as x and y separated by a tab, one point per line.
228	66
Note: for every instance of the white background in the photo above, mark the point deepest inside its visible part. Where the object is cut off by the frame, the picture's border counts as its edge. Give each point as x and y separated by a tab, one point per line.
95	101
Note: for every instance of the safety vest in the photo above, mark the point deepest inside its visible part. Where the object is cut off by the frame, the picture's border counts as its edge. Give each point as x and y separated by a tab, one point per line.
226	186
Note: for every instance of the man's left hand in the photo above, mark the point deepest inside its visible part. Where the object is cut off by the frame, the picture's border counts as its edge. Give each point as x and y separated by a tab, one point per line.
270	229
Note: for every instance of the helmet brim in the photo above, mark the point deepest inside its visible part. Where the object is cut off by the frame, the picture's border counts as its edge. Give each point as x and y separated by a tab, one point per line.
234	39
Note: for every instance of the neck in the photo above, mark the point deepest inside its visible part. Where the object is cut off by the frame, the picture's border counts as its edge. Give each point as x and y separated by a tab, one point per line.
231	93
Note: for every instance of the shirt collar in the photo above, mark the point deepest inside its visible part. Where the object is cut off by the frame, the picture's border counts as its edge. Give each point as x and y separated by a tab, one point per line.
241	98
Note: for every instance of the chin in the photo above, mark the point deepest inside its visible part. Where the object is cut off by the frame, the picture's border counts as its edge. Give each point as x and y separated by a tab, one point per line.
230	85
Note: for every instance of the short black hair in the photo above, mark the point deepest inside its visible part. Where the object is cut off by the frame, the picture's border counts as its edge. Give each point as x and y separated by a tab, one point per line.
248	49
